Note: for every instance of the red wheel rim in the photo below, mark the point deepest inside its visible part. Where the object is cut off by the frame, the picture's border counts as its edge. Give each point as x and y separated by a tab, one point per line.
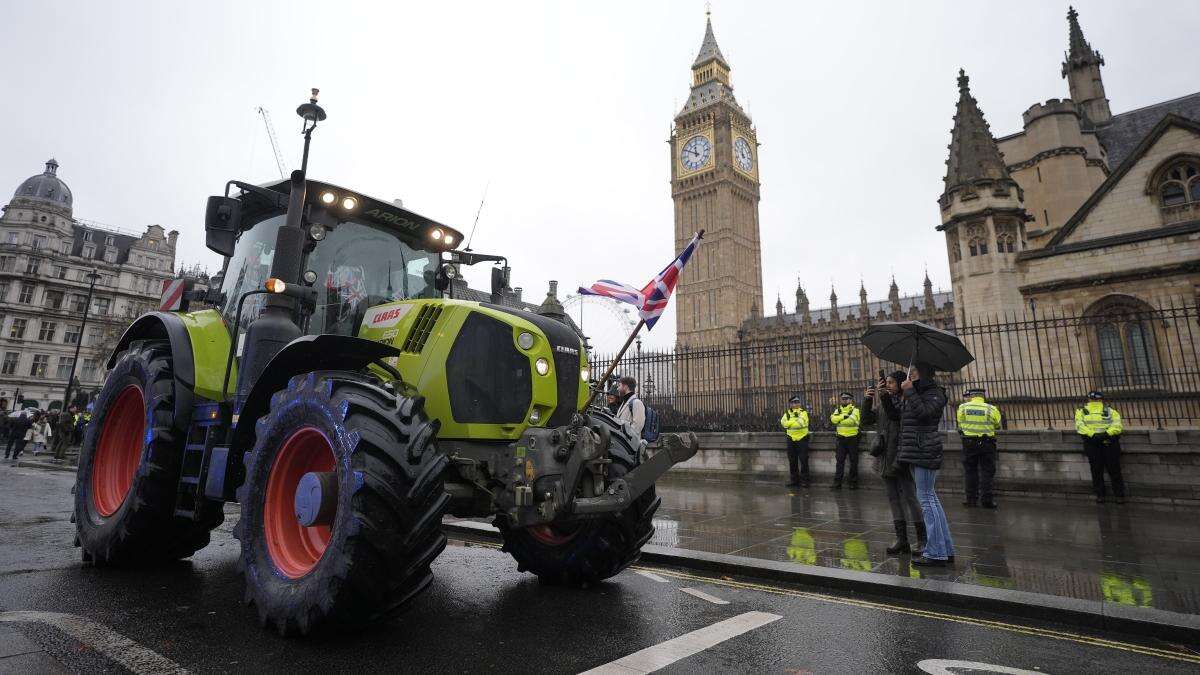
119	450
294	548
550	536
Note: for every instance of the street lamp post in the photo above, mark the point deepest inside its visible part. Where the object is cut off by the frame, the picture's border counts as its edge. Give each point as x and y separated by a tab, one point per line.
92	277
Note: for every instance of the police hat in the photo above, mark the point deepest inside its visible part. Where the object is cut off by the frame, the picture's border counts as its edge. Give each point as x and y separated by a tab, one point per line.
974	391
846	394
794	399
1095	394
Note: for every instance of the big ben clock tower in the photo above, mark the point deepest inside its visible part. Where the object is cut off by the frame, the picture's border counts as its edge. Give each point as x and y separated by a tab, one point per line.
714	183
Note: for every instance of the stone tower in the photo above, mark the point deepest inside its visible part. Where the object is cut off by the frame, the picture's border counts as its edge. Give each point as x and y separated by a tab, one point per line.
714	183
983	216
1081	67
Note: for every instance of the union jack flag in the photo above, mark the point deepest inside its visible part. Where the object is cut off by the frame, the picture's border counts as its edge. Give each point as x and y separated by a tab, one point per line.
652	300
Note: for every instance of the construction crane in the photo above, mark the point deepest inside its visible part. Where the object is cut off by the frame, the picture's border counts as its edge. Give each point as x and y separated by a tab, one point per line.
274	143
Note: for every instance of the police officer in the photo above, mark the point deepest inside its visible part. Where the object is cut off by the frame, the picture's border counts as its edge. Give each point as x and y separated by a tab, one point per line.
1100	428
977	424
795	423
845	419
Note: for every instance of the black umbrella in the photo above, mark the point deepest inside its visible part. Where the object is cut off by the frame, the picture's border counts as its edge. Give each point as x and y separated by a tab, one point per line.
912	341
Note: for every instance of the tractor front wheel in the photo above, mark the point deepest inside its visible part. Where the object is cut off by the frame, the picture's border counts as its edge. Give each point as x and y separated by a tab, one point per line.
129	464
584	552
342	504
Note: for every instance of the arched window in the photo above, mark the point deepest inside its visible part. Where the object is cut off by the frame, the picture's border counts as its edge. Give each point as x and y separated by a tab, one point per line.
1005	243
977	246
1124	333
1176	185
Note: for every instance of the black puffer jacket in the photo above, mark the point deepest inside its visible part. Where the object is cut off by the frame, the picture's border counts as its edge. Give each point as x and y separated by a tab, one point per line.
920	413
887	425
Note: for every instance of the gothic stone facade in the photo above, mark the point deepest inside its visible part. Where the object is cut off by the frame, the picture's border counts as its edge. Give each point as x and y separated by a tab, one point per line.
714	183
45	257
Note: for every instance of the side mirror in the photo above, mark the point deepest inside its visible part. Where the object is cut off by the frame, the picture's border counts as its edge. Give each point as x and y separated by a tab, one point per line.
499	280
222	219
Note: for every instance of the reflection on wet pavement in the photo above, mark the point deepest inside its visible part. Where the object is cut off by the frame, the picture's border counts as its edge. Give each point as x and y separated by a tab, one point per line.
1137	555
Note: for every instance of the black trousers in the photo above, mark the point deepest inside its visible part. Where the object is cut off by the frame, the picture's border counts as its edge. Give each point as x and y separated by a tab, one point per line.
979	467
1104	454
847	448
18	448
798	460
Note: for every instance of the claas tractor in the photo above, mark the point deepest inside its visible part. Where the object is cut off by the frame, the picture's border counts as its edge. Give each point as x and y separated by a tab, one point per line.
336	393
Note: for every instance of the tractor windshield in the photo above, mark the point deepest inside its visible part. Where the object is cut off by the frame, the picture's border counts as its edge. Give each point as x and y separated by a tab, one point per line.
357	265
360	265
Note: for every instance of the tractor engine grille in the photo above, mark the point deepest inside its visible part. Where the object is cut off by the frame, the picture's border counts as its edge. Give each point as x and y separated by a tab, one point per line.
488	380
421	329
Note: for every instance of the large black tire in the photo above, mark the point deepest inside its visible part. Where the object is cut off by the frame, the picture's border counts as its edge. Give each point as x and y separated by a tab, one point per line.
390	499
133	441
592	550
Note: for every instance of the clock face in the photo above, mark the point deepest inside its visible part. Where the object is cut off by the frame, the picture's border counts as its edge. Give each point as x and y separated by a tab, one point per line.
741	151
695	153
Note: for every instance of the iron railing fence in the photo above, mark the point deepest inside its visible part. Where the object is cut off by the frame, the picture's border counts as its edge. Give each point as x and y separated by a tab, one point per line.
1036	366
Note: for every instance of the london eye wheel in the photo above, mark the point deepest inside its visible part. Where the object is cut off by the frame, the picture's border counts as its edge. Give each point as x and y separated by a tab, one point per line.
607	323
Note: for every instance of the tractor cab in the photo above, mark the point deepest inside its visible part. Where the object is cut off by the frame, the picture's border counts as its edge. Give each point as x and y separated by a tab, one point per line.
358	252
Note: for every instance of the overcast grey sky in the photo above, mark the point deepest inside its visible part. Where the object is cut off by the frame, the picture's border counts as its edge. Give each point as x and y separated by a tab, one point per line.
565	107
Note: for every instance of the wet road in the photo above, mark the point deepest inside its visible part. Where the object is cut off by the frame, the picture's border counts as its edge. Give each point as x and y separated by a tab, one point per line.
482	615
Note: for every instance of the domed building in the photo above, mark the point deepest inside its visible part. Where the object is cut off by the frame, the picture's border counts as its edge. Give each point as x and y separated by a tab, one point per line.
49	261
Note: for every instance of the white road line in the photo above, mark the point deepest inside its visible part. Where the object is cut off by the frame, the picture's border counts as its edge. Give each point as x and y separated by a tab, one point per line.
664	654
651	575
112	645
705	596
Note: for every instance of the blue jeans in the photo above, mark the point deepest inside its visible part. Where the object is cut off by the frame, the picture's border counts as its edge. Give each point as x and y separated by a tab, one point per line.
939	545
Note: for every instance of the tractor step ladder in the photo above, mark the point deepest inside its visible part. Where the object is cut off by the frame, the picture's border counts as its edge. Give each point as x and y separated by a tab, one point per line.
206	431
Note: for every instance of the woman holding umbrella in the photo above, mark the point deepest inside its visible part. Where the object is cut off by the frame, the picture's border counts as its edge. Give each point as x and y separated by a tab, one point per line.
921	448
923	401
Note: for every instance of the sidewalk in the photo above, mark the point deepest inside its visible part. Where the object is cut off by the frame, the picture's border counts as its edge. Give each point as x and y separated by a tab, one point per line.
1135	555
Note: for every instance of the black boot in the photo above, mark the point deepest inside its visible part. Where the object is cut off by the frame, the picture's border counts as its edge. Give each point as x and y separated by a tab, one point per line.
919	526
901	545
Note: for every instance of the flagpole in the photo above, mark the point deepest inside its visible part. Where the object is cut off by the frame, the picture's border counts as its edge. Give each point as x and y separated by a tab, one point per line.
613	366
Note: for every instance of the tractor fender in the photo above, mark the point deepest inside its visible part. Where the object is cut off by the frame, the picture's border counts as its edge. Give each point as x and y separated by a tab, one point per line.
168	326
305	354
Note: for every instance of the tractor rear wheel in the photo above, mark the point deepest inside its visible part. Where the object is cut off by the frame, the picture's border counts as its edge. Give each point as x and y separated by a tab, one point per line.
342	503
129	466
588	551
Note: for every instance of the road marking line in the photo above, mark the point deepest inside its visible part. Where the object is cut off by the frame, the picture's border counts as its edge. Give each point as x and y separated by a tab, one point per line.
112	645
651	575
985	623
704	596
664	654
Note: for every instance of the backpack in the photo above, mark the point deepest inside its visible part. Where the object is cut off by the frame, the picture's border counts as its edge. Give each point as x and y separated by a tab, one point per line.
650	430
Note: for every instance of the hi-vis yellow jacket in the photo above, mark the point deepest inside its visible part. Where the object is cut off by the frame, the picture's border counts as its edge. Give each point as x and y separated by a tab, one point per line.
978	418
846	419
795	423
1095	418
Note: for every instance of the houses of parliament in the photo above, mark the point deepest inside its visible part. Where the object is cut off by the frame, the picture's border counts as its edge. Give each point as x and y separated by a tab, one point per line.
1084	212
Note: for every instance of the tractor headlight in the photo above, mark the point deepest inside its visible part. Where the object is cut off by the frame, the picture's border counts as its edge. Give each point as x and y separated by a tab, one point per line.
328	198
349	203
317	231
278	286
542	366
449	240
436	234
535	416
310	277
584	374
525	341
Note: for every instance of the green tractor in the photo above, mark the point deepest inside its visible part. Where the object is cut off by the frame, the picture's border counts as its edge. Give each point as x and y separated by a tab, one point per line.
346	404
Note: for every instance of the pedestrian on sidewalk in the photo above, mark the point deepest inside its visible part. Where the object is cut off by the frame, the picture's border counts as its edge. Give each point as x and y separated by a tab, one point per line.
845	418
632	412
63	431
978	421
923	403
897	478
17	437
795	424
1100	428
612	399
40	433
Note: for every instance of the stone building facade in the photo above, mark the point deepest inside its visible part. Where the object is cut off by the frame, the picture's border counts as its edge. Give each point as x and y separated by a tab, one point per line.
715	186
1085	217
46	255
